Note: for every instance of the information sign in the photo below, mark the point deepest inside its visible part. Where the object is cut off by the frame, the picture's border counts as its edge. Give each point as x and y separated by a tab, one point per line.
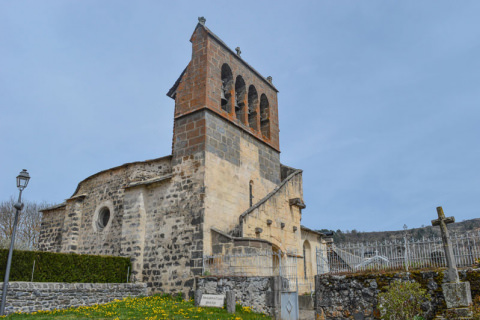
212	300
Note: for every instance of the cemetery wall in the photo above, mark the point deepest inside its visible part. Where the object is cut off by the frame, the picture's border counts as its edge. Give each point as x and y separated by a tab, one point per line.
356	296
259	293
34	296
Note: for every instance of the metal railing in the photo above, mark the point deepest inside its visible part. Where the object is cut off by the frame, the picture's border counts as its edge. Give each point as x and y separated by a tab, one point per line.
397	254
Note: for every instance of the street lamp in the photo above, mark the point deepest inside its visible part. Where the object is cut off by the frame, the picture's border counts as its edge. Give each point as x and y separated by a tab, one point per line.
22	182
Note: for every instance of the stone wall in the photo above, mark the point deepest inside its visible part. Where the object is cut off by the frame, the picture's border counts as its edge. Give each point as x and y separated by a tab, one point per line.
156	214
276	218
173	240
50	238
259	293
225	141
163	220
34	296
71	227
105	188
312	242
234	160
224	244
356	296
307	269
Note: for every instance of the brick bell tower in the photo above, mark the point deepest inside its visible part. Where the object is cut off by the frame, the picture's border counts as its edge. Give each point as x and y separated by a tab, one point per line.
226	136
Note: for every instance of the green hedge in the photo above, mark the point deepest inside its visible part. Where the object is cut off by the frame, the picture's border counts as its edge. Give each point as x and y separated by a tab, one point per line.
64	267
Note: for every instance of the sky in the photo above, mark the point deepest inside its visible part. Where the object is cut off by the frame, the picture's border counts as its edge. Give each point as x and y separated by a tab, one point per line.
379	101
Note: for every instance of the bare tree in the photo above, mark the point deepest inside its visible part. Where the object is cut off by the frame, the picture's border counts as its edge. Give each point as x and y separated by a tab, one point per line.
28	227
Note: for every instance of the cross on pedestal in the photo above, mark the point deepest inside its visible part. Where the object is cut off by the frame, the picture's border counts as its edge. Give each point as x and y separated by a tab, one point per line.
452	273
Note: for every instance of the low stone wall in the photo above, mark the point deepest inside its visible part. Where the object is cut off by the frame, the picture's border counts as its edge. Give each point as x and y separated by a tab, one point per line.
259	293
355	296
34	296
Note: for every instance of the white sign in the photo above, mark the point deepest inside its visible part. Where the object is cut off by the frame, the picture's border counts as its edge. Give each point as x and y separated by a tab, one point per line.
212	300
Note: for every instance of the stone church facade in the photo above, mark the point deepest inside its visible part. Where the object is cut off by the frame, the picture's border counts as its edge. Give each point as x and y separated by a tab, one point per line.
222	190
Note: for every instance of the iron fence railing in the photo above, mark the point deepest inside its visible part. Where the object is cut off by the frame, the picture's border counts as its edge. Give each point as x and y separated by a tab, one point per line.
398	254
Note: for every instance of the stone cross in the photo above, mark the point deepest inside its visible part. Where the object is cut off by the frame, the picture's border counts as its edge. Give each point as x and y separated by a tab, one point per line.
452	273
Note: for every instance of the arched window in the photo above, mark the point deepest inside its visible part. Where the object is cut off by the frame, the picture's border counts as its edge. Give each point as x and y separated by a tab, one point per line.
264	116
240	94
226	90
252	107
307	259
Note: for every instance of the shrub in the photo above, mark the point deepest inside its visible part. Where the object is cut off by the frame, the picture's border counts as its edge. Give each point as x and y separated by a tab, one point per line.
64	267
402	301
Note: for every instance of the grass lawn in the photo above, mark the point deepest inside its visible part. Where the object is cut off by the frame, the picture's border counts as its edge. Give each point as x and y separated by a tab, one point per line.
154	307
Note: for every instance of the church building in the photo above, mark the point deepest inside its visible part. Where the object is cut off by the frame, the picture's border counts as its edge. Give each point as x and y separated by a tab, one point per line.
222	190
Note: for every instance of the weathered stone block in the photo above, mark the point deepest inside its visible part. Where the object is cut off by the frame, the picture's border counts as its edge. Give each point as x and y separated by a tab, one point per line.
231	301
457	294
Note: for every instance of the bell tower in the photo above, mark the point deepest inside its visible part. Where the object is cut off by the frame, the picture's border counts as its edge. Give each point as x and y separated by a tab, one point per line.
226	121
218	79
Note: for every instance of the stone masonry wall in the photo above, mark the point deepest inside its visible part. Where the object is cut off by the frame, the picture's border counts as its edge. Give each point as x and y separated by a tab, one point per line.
50	238
71	228
109	187
34	296
224	140
234	160
356	296
224	244
191	94
155	218
173	234
311	242
259	293
172	252
217	55
277	217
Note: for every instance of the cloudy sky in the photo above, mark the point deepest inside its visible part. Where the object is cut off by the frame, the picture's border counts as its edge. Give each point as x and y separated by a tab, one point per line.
379	101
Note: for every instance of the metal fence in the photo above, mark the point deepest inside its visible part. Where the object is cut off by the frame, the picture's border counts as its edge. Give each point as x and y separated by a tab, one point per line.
398	254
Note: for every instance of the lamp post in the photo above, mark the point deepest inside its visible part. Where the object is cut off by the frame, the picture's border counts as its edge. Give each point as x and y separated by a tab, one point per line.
22	182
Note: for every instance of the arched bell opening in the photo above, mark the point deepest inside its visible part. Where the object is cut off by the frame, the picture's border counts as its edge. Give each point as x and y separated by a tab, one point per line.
252	107
264	116
226	90
240	94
